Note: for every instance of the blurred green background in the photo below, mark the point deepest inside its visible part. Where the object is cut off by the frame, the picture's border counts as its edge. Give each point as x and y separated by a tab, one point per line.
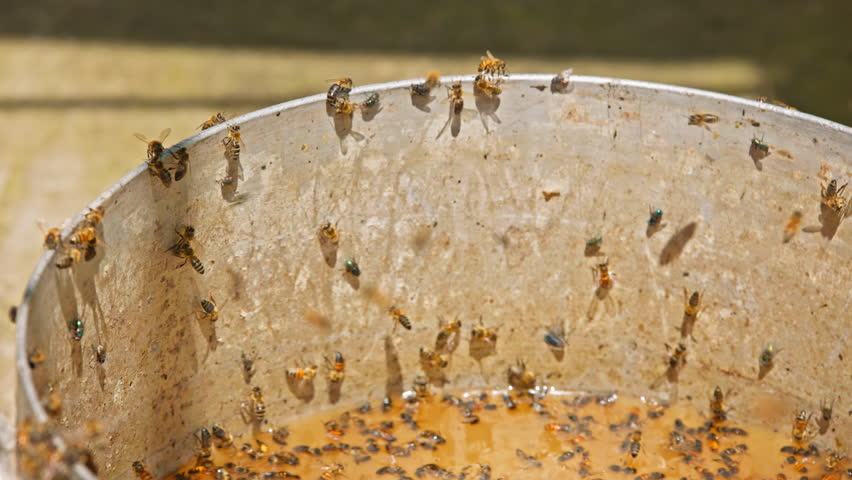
79	77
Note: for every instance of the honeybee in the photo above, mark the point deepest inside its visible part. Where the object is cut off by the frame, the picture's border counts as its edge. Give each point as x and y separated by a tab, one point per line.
233	143
352	267
674	363
255	410
635	443
155	147
491	65
433	79
205	443
100	353
483	341
717	406
186	252
209	310
520	378
792	226
399	316
344	107
182	165
221	438
72	255
766	360
561	81
692	303
482	86
431	360
94	216
85	237
306	374
248	367
52	404
832	196
332	471
338	89
824	419
140	471
328	234
602	275
448	336
52	238
702	119
800	427
35	357
214	120
157	169
336	369
456	99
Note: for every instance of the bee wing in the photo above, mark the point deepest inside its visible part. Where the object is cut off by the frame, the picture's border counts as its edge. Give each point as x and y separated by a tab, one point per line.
164	134
141	137
468	114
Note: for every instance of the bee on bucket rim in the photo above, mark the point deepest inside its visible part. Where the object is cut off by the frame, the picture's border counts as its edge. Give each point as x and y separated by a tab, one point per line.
491	65
155	147
72	255
483	86
433	80
215	119
340	88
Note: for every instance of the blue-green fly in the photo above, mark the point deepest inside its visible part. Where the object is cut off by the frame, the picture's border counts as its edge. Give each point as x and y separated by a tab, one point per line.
77	329
352	267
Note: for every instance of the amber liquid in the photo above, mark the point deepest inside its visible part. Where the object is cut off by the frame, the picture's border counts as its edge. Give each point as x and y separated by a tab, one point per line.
557	436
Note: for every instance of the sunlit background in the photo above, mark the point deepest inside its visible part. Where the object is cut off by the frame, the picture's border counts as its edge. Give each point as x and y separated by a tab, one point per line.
79	77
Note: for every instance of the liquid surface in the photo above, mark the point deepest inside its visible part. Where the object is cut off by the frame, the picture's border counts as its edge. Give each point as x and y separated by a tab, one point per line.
490	436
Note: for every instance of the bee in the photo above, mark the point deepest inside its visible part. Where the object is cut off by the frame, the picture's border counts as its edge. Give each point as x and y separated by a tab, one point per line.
491	65
717	406
766	360
520	378
233	143
344	107
448	333
352	267
692	304
561	81
280	434
602	274
77	328
248	367
186	252
100	353
35	357
399	316
52	238
336	369
433	79
482	86
832	196
157	169
204	443
431	360
155	147
140	471
306	374
221	474
221	438
792	226
678	357
635	443
702	119
824	419
800	426
338	89
94	216
332	472
72	255
255	410
214	120
656	216
85	238
52	404
483	341
182	157
456	99
209	310
420	385
328	234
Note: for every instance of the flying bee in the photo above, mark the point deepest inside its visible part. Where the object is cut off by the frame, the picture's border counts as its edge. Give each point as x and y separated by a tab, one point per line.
635	443
72	255
209	310
182	165
602	276
433	80
255	410
141	472
352	267
824	419
35	357
520	378
766	360
344	107
448	336
482	86
306	374
491	65
702	119
832	196
214	120
399	316
792	226
717	406
186	252
336	369
800	427
155	147
339	88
